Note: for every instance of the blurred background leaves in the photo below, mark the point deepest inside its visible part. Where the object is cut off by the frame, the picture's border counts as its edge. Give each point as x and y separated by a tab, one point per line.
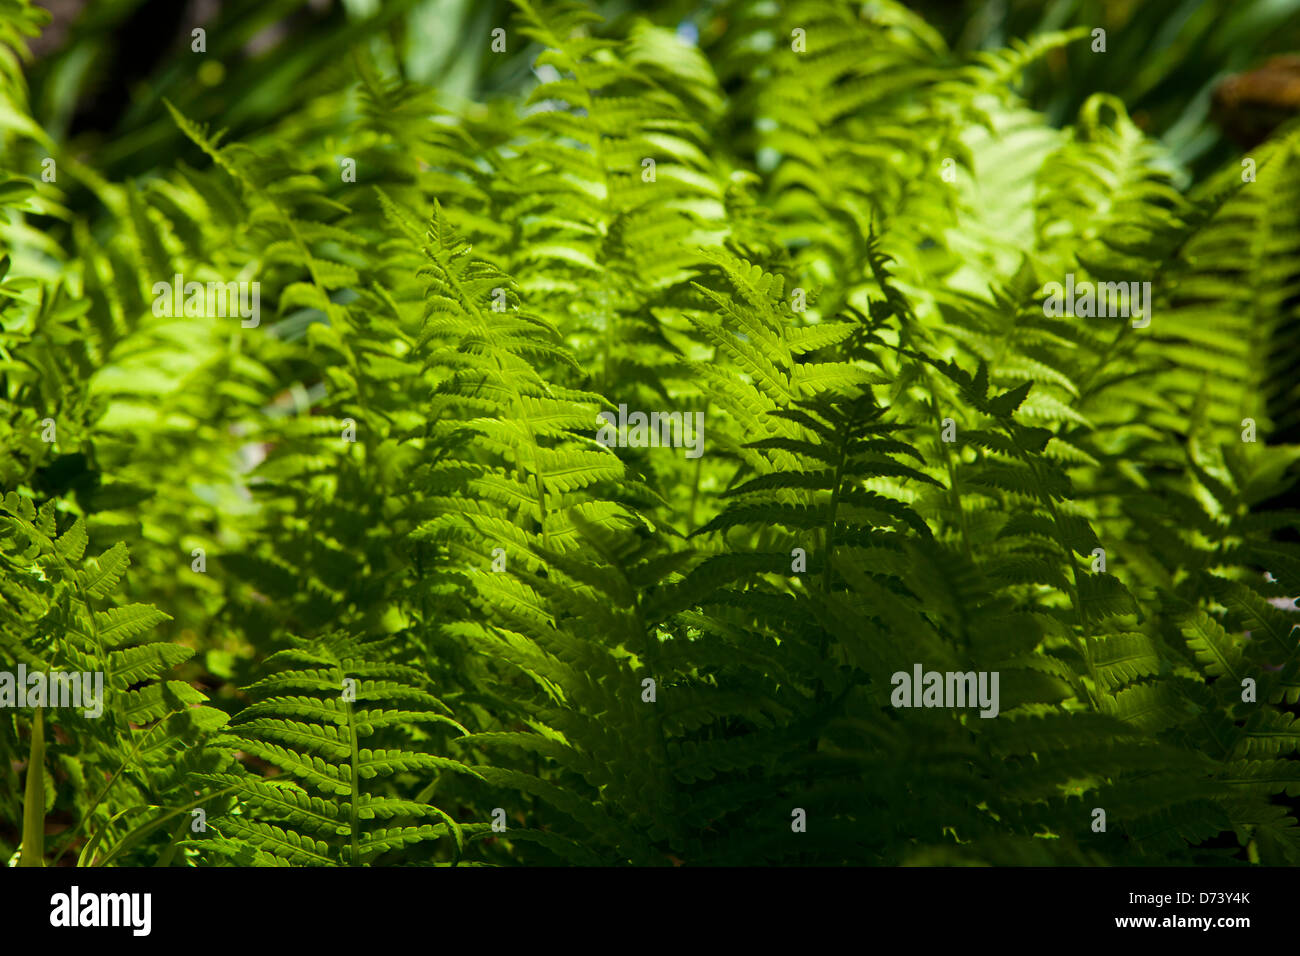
102	68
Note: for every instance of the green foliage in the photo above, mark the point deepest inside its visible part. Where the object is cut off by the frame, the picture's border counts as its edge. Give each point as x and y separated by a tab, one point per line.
327	697
514	643
128	753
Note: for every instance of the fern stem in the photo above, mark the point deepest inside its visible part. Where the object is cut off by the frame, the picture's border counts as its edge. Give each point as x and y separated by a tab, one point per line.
699	467
126	761
165	858
954	494
828	533
652	658
34	797
1085	631
141	831
354	820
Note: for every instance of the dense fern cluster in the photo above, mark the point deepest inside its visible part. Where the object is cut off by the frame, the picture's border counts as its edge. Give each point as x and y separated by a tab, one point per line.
441	622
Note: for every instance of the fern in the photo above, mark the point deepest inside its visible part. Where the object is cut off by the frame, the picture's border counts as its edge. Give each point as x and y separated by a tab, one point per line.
325	699
125	753
392	599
